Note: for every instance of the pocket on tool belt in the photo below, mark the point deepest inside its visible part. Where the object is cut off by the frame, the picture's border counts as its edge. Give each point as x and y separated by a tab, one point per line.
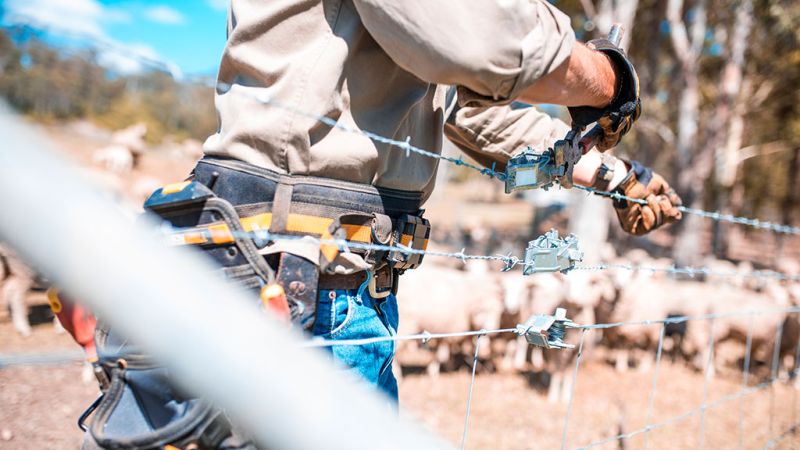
140	409
209	221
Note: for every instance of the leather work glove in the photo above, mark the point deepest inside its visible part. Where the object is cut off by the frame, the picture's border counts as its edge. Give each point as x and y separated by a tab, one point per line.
617	118
662	201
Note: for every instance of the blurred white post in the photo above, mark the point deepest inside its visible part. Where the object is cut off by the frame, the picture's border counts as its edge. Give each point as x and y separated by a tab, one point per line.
213	338
589	220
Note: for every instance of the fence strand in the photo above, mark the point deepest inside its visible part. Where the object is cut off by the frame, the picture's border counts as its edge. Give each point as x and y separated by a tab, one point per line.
403	145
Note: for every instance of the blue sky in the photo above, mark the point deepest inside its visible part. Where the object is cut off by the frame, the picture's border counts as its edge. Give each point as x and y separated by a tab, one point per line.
188	33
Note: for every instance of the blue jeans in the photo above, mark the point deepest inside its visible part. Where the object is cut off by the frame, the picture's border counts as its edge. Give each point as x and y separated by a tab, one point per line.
346	314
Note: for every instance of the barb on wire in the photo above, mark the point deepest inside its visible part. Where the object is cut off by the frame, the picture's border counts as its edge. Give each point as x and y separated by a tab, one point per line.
405	145
509	261
717	216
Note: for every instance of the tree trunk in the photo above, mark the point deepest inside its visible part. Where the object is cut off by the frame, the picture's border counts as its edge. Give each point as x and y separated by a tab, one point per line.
687	244
728	126
791	199
688	48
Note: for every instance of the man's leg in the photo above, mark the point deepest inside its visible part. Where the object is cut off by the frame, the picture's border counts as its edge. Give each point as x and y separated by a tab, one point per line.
344	315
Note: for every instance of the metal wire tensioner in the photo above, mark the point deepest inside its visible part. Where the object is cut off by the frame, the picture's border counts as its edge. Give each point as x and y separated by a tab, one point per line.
550	253
546	330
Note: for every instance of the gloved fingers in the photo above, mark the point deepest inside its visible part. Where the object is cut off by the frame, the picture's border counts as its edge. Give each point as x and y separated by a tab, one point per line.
646	220
636	219
658	185
613	130
669	210
654	205
673	197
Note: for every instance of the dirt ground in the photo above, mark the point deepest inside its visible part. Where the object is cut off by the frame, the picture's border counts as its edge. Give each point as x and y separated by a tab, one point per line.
39	405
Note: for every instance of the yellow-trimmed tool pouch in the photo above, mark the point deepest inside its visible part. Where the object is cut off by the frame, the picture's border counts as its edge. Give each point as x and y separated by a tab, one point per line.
218	210
300	206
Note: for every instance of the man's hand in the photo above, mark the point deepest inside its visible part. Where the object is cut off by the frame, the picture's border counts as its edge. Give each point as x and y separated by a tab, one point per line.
662	201
617	118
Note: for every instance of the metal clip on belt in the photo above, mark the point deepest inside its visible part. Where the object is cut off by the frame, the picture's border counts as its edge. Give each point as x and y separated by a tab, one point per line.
411	232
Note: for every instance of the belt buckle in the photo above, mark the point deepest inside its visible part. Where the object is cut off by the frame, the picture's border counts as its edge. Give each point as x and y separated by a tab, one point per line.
379	293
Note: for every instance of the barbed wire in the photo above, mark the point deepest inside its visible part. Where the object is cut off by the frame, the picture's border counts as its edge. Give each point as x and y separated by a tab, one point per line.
509	261
713	215
404	145
693	272
427	336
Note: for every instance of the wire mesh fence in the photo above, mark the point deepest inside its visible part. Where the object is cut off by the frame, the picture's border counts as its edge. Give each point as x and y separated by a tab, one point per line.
753	380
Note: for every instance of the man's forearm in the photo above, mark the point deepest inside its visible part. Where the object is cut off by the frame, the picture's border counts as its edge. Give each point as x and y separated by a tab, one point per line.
586	78
586	171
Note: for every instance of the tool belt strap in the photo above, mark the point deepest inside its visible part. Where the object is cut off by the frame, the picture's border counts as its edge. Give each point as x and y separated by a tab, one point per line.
297	224
263	200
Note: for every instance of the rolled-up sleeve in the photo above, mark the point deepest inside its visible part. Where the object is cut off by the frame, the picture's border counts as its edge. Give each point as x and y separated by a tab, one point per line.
491	135
492	49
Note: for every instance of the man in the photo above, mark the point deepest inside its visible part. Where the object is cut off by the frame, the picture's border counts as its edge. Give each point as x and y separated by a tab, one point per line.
415	69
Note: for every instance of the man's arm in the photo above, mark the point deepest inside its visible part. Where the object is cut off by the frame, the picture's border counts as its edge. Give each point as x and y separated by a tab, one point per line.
494	51
491	134
586	78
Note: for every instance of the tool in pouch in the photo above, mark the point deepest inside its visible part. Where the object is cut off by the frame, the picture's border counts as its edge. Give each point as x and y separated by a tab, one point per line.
531	170
300	207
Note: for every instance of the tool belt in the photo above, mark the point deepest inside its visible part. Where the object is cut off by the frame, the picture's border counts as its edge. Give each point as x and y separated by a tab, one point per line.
219	209
226	202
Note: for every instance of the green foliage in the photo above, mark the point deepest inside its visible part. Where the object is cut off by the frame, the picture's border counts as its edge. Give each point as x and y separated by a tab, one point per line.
49	85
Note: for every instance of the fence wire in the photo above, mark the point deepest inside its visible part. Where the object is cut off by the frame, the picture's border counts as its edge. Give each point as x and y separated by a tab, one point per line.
408	148
510	262
403	145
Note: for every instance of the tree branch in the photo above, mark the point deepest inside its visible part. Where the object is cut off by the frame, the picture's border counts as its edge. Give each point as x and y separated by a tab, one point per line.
677	30
769	148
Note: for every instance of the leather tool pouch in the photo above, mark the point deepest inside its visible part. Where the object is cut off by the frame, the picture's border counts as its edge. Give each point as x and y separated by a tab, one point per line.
139	408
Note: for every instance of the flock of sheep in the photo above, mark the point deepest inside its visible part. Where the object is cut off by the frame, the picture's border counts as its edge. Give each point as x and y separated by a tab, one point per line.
448	296
442	298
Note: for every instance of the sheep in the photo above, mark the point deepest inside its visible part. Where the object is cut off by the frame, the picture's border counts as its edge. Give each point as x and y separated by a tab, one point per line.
438	299
115	158
17	279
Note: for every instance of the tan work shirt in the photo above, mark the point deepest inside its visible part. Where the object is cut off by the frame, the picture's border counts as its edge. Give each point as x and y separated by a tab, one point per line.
391	67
